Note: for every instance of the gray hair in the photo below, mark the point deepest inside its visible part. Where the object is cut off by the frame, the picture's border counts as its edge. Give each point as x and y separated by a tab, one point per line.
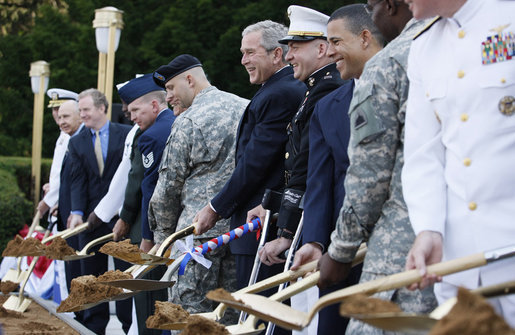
99	99
271	33
357	19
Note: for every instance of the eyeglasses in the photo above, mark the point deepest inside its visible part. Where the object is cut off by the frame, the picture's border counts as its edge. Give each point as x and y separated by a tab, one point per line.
369	8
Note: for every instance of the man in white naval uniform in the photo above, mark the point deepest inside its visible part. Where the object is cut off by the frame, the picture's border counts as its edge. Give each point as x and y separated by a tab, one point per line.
58	96
458	177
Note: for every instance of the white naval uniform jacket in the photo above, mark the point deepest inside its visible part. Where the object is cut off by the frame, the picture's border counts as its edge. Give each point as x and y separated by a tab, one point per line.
54	179
459	172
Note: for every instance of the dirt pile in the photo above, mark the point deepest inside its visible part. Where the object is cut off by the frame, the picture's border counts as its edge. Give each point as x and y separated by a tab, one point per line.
58	249
85	290
8	286
166	313
20	323
123	250
472	314
363	304
221	295
200	325
114	275
13	247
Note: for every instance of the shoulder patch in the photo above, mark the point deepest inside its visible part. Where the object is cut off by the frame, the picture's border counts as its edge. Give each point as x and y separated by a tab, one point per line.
427	27
148	160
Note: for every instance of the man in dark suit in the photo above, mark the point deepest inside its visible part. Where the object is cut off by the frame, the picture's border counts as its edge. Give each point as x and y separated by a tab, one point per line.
261	139
328	140
95	154
307	41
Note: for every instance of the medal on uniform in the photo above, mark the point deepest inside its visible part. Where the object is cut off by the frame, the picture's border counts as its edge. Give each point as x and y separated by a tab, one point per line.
507	105
499	47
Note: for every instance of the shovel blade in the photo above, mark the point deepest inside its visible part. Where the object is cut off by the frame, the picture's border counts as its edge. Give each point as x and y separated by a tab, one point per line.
12	276
17	304
77	257
243	329
399	322
140	284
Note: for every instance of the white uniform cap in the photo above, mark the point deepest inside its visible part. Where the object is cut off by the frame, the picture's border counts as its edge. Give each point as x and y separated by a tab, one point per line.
306	24
58	96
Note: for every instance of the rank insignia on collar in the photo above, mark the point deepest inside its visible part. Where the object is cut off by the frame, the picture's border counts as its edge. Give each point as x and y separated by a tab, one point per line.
499	47
507	105
311	81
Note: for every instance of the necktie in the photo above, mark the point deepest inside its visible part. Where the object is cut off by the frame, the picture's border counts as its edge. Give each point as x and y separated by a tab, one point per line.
98	153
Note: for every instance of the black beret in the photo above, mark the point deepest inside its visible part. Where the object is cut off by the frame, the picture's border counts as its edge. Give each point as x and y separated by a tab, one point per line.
177	66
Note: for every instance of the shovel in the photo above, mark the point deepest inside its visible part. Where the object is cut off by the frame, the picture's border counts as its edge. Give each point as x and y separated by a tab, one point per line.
143	258
419	323
84	252
147	284
20	303
15	275
290	318
138	284
68	232
249	326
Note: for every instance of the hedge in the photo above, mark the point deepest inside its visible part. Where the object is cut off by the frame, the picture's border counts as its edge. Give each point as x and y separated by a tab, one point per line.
15	208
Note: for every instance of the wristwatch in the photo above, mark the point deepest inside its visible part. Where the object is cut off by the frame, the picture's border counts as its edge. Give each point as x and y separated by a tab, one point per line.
282	232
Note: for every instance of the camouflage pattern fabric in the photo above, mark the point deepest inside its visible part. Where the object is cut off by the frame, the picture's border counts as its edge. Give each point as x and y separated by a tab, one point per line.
197	161
374	210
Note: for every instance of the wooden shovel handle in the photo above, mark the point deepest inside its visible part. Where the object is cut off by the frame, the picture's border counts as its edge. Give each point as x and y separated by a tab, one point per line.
174	237
496	290
399	280
34	224
96	241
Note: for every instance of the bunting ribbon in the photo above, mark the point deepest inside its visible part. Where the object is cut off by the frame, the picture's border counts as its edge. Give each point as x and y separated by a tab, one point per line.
198	252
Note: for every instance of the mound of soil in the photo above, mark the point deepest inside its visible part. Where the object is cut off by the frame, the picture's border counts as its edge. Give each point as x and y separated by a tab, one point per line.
363	304
200	325
85	290
58	249
165	313
472	314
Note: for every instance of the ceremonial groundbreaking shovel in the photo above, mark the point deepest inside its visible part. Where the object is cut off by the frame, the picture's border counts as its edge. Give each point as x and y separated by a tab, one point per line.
16	275
64	234
84	252
419	323
290	318
20	303
142	258
147	284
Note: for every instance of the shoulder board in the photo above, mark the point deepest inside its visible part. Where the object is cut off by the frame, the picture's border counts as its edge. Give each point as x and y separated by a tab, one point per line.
426	28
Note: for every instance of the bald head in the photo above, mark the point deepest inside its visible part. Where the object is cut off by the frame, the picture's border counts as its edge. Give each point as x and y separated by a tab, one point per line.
68	117
184	87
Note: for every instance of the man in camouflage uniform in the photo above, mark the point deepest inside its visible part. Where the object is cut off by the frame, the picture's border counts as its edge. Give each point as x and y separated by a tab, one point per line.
374	209
197	162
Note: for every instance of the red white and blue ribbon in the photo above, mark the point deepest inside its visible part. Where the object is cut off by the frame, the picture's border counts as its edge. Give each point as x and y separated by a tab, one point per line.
195	253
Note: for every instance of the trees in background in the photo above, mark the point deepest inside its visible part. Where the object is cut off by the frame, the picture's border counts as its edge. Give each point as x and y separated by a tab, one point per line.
60	32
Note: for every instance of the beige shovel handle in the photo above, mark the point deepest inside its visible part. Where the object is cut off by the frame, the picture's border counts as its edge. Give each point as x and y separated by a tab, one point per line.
34	224
67	233
496	290
399	280
174	237
99	240
269	283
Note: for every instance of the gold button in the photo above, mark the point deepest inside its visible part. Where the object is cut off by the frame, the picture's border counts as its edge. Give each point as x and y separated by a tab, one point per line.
472	206
464	117
461	34
461	74
467	161
427	94
287	155
503	80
